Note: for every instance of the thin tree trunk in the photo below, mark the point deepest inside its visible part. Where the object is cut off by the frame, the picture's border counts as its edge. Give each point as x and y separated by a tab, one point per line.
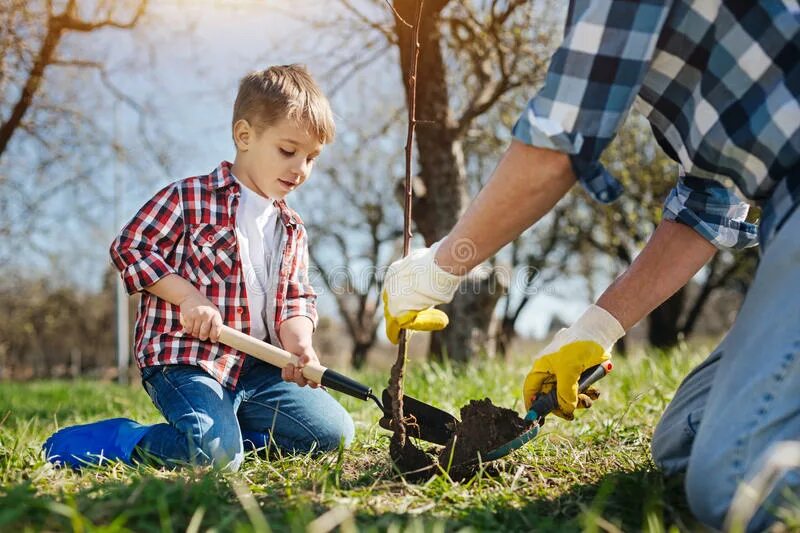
359	356
663	323
442	168
398	442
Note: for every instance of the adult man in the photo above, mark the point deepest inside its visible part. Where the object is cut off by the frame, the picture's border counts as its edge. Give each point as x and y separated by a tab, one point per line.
720	86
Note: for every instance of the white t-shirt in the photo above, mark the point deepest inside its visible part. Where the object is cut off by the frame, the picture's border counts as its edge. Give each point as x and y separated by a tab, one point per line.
256	217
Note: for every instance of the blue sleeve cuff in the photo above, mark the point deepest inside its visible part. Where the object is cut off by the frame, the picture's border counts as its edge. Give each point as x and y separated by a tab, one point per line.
713	211
542	132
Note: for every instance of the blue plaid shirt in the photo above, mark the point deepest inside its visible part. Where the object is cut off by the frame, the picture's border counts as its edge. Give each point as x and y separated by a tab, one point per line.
719	83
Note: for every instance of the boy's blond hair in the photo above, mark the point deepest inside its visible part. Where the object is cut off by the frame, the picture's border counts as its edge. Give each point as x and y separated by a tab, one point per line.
287	91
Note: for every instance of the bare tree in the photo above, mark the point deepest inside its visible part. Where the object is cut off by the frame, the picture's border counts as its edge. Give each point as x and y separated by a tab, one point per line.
30	39
474	56
52	138
355	227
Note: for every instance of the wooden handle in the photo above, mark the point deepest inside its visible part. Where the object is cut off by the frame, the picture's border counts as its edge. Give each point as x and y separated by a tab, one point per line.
267	352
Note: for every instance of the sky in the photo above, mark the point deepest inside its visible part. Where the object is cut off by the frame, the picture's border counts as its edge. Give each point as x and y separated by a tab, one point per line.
184	63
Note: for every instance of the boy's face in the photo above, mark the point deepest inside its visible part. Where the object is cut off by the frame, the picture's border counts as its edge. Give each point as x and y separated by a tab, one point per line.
275	161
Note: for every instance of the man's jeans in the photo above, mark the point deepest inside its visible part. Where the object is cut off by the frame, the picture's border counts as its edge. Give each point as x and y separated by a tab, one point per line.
210	425
745	397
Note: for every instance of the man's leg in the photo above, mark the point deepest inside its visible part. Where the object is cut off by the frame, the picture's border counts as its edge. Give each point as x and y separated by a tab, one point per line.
744	399
675	432
298	419
202	427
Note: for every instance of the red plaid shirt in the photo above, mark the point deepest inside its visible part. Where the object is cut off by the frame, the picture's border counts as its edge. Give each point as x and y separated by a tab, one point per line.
189	229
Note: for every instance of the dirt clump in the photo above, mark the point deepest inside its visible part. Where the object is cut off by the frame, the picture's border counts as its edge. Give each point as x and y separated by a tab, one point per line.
483	428
413	463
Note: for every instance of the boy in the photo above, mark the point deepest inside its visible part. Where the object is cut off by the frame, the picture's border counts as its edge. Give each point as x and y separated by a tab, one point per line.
225	248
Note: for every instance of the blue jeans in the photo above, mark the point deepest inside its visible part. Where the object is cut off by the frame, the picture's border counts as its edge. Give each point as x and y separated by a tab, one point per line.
208	424
744	398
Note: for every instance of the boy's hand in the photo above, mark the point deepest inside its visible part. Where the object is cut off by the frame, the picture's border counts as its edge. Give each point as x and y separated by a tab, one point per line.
295	373
200	318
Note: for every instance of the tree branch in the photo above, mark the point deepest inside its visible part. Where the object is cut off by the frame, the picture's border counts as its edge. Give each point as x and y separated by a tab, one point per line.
57	25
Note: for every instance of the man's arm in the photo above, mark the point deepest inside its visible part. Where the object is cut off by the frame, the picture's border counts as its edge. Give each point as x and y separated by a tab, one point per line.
526	184
672	256
524	187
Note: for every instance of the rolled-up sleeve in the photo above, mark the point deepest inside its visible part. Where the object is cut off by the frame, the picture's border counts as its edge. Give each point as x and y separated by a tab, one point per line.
713	211
591	83
142	247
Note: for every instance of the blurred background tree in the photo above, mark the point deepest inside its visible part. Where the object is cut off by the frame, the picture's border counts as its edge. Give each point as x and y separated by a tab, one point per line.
57	99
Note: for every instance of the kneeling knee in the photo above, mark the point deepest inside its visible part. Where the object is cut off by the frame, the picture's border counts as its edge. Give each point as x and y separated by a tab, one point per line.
223	452
332	435
707	493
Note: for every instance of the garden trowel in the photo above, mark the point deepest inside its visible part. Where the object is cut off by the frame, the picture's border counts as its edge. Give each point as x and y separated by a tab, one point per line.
427	422
427	416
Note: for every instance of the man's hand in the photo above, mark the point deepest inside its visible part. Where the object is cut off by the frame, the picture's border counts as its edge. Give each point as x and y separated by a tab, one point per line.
200	318
583	345
294	373
413	285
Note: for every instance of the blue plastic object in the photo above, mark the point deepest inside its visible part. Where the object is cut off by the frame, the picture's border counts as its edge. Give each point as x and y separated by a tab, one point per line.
94	443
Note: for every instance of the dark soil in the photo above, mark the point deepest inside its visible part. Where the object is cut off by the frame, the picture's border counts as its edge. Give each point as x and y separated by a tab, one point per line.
414	464
483	428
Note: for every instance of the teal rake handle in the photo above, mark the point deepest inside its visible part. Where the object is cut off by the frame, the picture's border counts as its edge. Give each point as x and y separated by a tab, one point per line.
545	403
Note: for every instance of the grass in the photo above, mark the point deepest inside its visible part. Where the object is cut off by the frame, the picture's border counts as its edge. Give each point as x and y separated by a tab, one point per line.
594	474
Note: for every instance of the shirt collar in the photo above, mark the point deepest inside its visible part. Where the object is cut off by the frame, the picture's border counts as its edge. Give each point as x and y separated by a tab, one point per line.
223	177
288	216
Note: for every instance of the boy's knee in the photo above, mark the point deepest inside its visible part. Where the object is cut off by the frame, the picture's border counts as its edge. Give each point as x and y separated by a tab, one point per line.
328	434
333	425
222	450
334	432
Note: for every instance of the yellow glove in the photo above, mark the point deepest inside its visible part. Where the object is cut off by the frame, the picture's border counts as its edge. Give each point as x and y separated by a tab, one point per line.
426	320
583	345
413	285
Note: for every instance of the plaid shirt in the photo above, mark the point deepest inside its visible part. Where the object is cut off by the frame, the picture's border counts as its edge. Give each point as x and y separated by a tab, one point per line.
189	229
719	83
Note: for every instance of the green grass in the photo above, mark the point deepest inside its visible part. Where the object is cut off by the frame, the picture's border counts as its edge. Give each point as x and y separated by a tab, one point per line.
594	474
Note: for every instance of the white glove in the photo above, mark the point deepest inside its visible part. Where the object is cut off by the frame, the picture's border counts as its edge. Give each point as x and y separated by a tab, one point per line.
595	324
416	282
413	285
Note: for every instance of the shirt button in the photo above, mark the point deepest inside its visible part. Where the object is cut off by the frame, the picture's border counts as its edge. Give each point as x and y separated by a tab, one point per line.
239	310
210	238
